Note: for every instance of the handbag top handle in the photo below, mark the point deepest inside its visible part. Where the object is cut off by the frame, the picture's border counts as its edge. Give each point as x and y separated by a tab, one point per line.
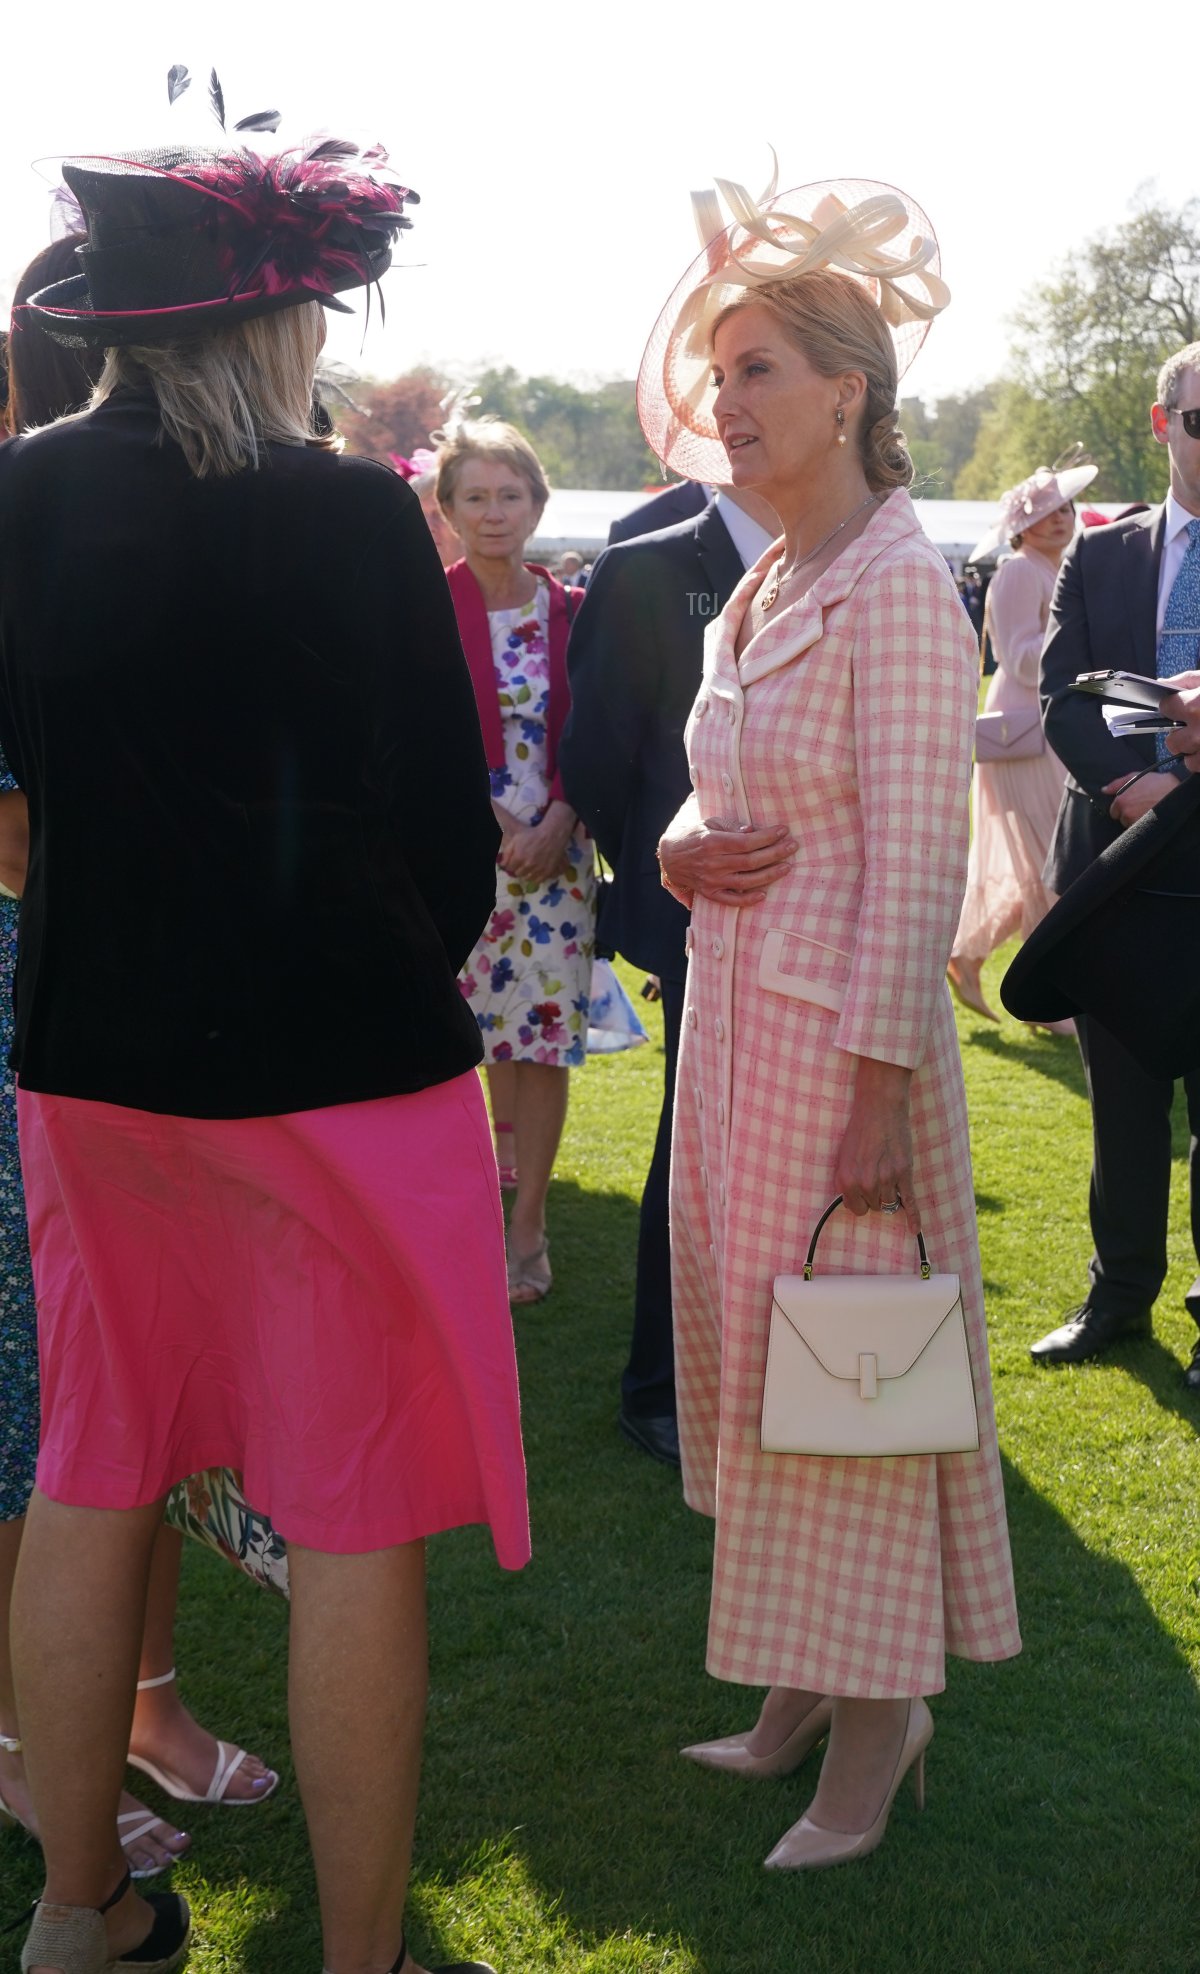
812	1246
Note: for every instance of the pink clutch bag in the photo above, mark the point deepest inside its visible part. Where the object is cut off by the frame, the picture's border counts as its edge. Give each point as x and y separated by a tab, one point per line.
1009	736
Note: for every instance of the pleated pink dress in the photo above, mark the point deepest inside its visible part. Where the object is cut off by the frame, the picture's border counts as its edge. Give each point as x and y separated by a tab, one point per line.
317	1299
1015	802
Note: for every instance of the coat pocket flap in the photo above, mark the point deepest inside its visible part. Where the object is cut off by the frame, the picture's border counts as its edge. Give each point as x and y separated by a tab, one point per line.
807	969
842	1318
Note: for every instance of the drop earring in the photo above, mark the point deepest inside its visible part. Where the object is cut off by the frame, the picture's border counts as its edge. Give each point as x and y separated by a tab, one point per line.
841	420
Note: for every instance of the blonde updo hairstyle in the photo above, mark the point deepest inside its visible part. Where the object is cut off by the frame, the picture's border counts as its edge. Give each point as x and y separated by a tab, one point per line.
835	324
488	438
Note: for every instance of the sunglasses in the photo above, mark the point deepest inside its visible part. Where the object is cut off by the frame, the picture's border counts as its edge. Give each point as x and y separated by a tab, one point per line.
1191	420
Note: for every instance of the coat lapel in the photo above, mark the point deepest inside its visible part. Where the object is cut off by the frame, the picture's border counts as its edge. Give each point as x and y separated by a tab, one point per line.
796	629
1140	565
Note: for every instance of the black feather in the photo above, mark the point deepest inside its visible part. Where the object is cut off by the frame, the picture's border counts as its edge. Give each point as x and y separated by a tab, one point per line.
217	98
333	147
261	120
178	80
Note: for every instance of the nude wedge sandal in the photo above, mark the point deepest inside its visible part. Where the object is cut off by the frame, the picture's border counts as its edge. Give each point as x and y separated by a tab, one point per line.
71	1938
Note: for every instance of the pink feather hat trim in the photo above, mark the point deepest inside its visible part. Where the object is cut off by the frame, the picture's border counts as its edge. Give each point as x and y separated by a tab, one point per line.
180	240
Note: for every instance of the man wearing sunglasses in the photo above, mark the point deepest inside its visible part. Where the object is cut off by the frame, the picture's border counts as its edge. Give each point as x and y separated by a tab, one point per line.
1128	598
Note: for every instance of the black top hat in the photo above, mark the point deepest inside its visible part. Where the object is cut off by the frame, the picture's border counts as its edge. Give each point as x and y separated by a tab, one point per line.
1122	945
184	240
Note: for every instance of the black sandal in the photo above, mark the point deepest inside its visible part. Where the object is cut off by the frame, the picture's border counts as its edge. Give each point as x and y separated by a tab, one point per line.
447	1967
72	1937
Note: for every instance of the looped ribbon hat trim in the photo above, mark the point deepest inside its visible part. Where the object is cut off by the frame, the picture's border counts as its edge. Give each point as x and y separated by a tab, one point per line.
871	232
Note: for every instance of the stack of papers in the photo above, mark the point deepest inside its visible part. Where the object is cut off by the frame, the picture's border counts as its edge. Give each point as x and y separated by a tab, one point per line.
1124	720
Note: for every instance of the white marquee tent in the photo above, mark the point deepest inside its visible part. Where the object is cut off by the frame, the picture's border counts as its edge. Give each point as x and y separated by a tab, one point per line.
580	517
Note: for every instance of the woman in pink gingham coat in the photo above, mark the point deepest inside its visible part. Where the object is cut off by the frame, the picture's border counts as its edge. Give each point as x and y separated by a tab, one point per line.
824	853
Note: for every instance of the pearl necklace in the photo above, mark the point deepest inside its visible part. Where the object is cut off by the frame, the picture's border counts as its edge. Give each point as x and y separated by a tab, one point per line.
770	589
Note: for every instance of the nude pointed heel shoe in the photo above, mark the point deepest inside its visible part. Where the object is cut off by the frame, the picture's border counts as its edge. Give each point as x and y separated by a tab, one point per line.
734	1758
967	987
807	1847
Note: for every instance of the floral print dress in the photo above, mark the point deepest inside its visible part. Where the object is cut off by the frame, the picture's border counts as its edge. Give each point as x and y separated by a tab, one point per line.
529	978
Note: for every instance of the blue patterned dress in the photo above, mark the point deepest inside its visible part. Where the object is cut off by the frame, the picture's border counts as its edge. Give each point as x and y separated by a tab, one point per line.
18	1328
529	978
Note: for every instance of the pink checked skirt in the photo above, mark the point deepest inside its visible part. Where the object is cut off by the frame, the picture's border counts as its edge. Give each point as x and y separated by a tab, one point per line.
317	1299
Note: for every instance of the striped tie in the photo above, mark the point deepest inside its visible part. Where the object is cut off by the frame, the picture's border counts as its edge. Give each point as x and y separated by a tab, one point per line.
1179	639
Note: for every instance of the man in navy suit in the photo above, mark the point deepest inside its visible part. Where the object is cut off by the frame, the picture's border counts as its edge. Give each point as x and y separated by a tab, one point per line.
635	660
1120	588
679	503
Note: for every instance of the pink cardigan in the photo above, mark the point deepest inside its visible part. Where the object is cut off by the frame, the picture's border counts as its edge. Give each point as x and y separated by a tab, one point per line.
475	632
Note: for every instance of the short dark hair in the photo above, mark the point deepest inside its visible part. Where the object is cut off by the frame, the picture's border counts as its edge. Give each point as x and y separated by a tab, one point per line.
45	378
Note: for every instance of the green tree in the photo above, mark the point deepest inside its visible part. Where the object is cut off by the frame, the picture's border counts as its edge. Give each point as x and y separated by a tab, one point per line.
584	436
942	441
1087	348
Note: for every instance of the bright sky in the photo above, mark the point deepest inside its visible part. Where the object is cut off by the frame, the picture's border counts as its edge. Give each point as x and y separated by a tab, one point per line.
554	147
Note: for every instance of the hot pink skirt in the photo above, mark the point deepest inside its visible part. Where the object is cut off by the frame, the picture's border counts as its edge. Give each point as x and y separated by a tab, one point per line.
317	1299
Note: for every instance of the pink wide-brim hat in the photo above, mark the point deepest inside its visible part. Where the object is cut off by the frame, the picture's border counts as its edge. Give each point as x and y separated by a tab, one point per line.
856	226
1042	494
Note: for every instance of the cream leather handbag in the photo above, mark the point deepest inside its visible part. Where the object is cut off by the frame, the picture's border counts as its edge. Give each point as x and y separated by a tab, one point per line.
867	1365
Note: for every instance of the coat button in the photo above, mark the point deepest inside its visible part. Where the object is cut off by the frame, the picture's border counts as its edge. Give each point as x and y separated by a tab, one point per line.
688	940
720	1113
692	1017
719	1029
699	1098
727	784
733	716
718	947
704	1177
721	1194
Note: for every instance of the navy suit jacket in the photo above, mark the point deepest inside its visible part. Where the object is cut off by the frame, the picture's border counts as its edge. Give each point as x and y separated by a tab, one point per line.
635	659
680	503
1102	617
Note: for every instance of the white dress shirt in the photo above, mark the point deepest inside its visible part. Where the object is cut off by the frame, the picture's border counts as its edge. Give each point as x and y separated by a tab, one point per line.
749	539
1174	549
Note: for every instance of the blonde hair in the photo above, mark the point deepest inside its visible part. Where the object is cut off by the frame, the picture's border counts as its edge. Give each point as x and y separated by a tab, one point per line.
222	396
488	438
837	326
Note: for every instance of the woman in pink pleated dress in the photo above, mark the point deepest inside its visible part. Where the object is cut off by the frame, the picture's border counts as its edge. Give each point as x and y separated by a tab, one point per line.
1016	802
264	1217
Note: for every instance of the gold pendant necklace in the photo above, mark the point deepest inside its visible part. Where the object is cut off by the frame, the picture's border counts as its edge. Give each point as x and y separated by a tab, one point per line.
770	590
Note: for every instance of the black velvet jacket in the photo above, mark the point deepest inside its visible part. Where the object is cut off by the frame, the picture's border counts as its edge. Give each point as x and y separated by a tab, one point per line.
261	837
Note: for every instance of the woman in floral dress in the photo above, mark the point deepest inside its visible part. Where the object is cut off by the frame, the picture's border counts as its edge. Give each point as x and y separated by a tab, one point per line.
529	978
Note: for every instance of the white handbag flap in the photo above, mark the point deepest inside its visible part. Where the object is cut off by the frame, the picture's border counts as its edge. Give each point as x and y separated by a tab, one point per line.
845	1318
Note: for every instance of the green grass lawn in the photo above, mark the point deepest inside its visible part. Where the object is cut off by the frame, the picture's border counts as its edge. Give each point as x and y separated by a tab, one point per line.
559	1828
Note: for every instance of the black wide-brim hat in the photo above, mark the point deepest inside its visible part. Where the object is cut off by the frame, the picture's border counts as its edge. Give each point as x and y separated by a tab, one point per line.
180	241
1122	944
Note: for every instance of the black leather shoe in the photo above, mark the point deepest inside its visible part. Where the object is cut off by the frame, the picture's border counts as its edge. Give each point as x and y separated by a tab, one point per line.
657	1436
1088	1333
1191	1376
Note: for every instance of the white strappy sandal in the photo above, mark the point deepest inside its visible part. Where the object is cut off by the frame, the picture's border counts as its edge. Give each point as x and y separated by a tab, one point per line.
229	1760
132	1826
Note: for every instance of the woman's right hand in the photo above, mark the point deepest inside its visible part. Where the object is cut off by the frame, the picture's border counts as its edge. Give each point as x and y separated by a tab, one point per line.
728	862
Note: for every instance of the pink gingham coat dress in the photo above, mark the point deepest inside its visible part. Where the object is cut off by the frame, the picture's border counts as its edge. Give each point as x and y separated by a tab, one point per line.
849	718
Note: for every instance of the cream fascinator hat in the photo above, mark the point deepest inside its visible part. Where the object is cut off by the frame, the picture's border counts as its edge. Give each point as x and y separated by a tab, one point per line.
875	234
1046	490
